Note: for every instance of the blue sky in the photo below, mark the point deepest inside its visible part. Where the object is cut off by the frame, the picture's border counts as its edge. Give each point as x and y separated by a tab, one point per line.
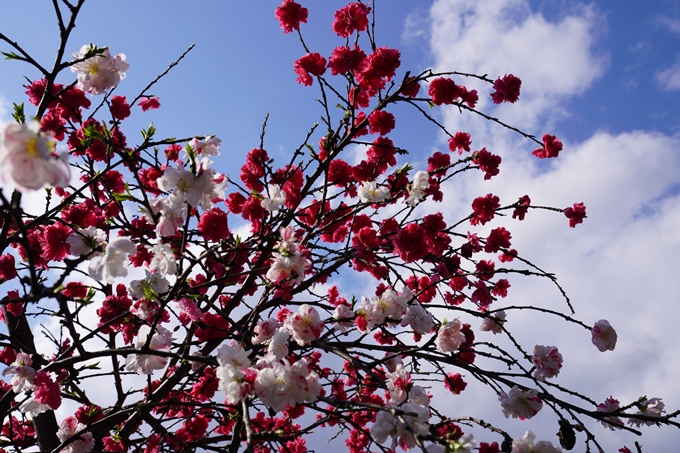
602	76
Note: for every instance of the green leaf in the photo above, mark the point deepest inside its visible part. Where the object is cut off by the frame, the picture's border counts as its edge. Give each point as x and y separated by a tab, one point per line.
122	197
148	133
18	114
11	56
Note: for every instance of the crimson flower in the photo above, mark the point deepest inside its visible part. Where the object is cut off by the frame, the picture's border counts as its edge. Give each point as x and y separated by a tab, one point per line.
308	65
575	214
290	14
351	18
551	147
507	89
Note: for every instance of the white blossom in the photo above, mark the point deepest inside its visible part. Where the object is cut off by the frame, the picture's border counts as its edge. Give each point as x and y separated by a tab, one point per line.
163	260
147	363
276	198
113	263
369	192
99	73
27	158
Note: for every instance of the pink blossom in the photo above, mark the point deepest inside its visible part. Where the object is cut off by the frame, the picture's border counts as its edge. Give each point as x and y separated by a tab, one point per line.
652	407
264	330
398	383
304	326
449	337
522	404
493	322
547	361
526	445
147	363
70	428
604	336
28	158
612	422
100	72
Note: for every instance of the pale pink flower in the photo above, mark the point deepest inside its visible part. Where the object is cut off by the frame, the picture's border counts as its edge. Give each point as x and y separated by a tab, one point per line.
113	263
235	382
149	287
27	158
99	73
449	336
304	326
419	319
369	192
23	377
278	346
493	323
604	336
233	355
610	405
305	386
276	198
84	241
209	146
418	395
189	308
526	445
652	407
163	260
397	384
147	363
288	260
420	185
71	427
273	386
385	425
522	404
264	330
547	361
342	311
144	309
417	424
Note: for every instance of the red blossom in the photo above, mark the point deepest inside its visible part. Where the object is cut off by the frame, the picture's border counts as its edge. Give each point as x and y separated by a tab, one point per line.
351	18
290	14
344	60
443	91
507	89
487	162
460	142
522	206
8	269
54	123
454	383
575	214
411	87
120	109
498	238
381	122
500	288
489	448
551	147
484	209
309	65
53	241
75	290
410	244
36	90
149	103
213	225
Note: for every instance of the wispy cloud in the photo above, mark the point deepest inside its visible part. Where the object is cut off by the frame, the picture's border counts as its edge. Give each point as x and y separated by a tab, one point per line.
619	263
669	79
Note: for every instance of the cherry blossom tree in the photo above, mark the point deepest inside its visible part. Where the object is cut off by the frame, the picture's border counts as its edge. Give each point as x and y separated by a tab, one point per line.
170	331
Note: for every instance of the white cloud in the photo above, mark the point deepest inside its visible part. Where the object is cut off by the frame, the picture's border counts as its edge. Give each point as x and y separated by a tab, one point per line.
554	59
669	79
620	263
